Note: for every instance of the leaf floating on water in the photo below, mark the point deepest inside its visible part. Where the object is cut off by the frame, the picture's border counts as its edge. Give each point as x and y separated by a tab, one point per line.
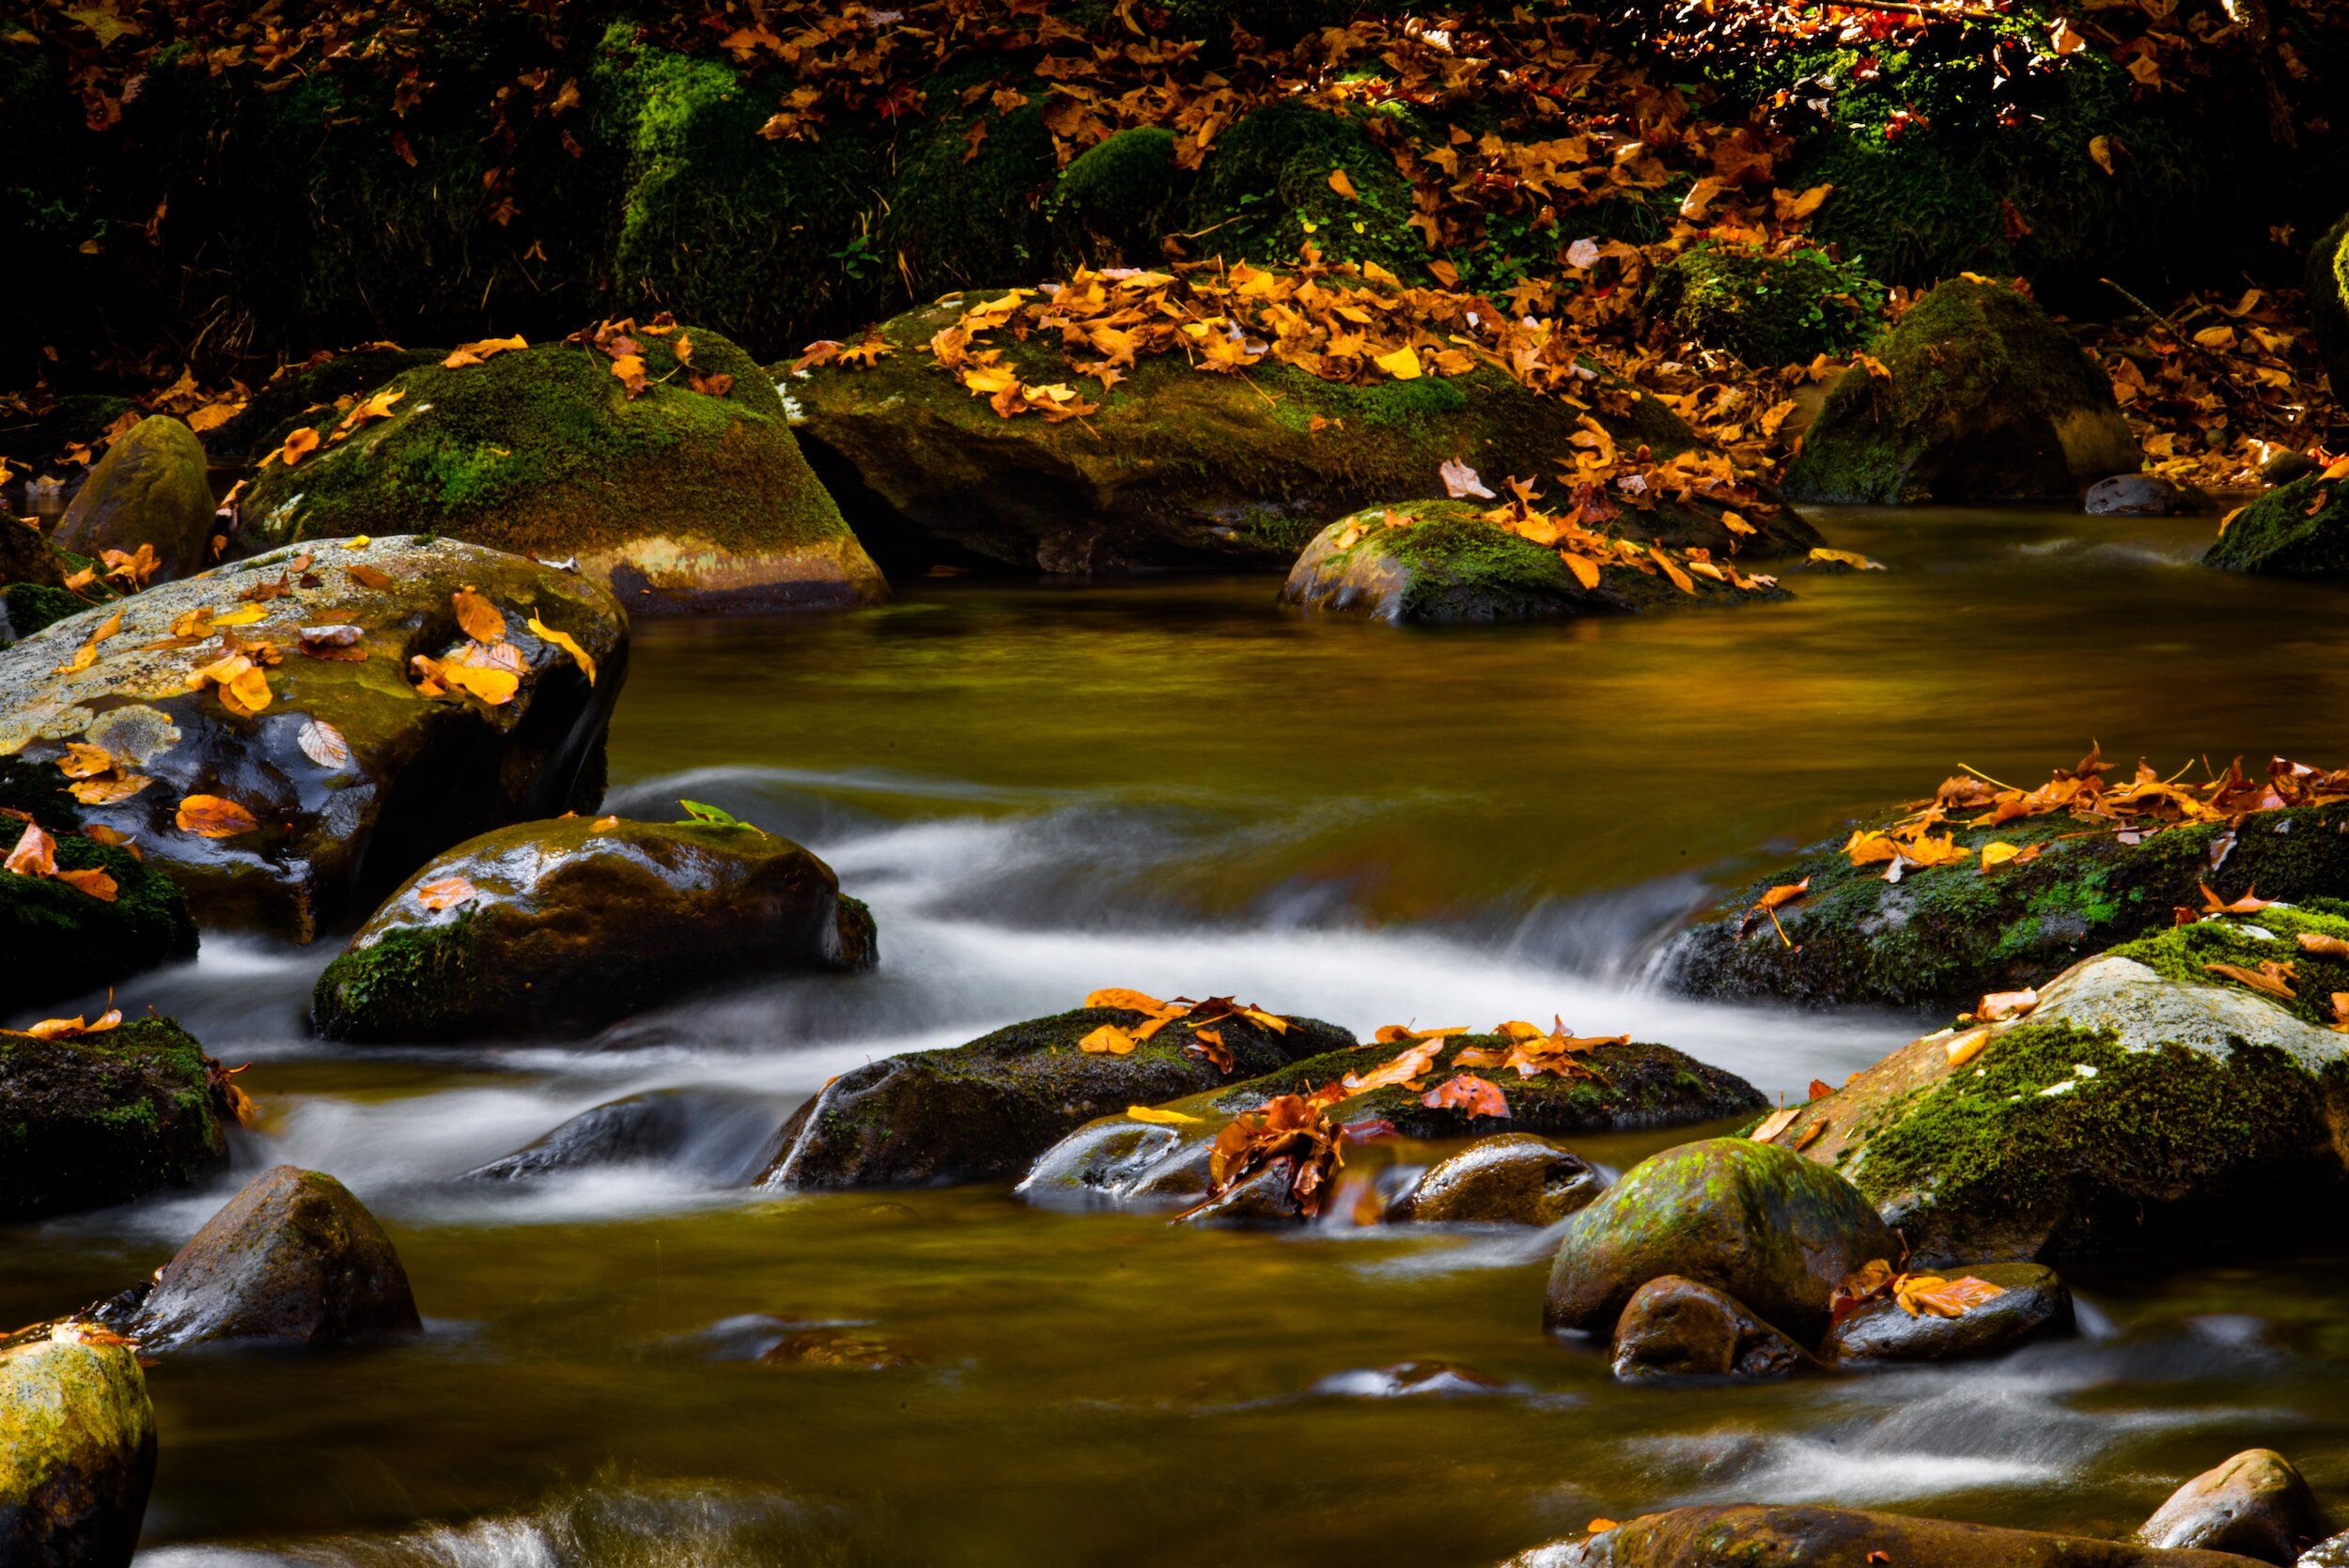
84	761
1466	1092
214	817
2272	977
323	744
445	894
1158	1118
1108	1040
1776	1123
111	790
563	640
478	617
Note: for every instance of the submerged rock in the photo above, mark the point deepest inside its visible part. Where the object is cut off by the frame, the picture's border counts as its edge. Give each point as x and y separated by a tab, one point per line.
351	777
1737	1535
2296	530
61	939
1673	1327
1987	400
1515	1178
988	1108
1437	563
1177	468
2255	1504
725	1136
1946	935
150	490
107	1118
2032	1303
562	927
77	1448
2143	1098
293	1257
680	499
1756	1221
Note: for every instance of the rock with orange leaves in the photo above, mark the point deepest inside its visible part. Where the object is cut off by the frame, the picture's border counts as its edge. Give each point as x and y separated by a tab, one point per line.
107	1114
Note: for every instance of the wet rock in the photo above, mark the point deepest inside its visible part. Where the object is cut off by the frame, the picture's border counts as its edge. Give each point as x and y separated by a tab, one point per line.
2296	530
1177	469
60	939
2333	1552
726	1138
293	1257
1945	938
149	488
1122	1162
2145	1099
26	608
848	1349
332	835
1436	563
1740	1534
2255	1505
1987	401
77	1448
27	556
2033	1303
1675	1328
2283	467
572	924
107	1118
1514	1179
2142	495
1765	1225
542	452
1409	1380
987	1109
1263	1197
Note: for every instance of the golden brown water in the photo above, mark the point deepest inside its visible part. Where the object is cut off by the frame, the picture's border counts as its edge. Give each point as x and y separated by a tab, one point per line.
1178	786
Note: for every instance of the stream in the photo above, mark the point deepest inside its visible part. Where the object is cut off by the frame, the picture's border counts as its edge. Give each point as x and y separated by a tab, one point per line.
1175	786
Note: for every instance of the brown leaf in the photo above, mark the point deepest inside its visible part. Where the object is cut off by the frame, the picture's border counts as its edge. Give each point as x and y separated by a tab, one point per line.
2271	976
96	883
368	577
445	894
35	855
1775	1123
214	817
1466	1092
2250	902
2329	947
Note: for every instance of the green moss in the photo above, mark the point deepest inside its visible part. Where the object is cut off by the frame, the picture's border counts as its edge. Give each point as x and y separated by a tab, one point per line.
1115	202
106	1118
29	607
2296	530
59	939
2184	952
305	395
401	986
1453	558
1264	193
1767	310
2328	302
958	216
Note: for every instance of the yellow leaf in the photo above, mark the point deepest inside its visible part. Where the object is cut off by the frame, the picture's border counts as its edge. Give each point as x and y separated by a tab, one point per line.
1341	185
478	617
1585	569
1998	853
300	445
1158	1118
493	686
1965	1046
1776	1123
248	693
1108	1040
1403	364
246	614
213	816
545	633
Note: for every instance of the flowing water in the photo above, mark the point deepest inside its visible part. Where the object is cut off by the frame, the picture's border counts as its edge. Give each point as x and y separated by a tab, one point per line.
1176	786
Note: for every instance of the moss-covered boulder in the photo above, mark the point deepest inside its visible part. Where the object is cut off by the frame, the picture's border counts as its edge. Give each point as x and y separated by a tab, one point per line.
64	937
1675	1328
2033	1303
150	490
1763	1224
1982	399
1116	201
293	1257
692	495
1732	1535
1512	1178
352	776
107	1118
1767	310
77	1448
1437	563
561	927
2328	302
987	1109
1263	193
1148	1162
2256	1504
2146	1097
2296	530
1946	935
317	392
1177	468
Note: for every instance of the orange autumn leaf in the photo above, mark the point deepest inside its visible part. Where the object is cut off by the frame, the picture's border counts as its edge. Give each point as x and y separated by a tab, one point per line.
1410	1064
1118	996
478	617
1585	569
2250	902
1776	1123
1342	185
74	1028
96	883
299	444
1999	1006
2272	977
468	354
1821	1089
110	790
35	855
84	761
368	577
1929	1295
248	693
630	369
1466	1092
1108	1040
214	817
445	894
545	633
2329	947
1964	1048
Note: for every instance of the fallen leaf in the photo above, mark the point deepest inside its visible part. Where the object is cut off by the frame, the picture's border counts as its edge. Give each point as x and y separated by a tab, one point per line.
247	694
1116	996
74	1028
474	354
478	617
630	368
111	790
1409	1065
1809	1135
1466	1092
1851	558
323	744
1964	1048
2329	947
1461	481
299	444
1158	1118
1108	1040
445	894
1776	1123
368	577
2271	976
1929	1295
96	883
84	761
2250	902
1999	1006
35	855
1403	364
563	640
214	817
1820	1089
1342	185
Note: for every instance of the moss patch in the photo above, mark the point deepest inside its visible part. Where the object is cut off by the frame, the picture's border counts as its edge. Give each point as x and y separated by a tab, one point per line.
2296	530
1264	193
59	939
1767	310
399	986
1115	202
2328	302
104	1119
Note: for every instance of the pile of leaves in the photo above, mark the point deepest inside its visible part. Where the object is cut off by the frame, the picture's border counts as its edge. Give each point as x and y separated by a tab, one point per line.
1919	1295
1200	1019
35	855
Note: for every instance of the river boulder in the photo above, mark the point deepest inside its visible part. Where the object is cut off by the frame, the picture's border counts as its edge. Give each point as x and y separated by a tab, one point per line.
340	764
81	913
1944	935
2328	302
293	1257
2296	530
1735	1534
1758	1223
564	926
1178	468
1513	1178
104	1118
317	392
1675	1328
688	494
149	490
2142	495
2033	1303
77	1446
2256	1504
2147	1095
987	1109
1976	397
1440	563
725	1136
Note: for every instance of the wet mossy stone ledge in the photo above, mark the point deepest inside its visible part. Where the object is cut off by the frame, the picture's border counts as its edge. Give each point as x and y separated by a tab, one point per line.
332	833
1437	563
77	1446
1738	1535
107	1118
1984	399
682	498
2146	1099
985	1110
59	941
2296	530
561	927
1127	1161
1946	935
1178	468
